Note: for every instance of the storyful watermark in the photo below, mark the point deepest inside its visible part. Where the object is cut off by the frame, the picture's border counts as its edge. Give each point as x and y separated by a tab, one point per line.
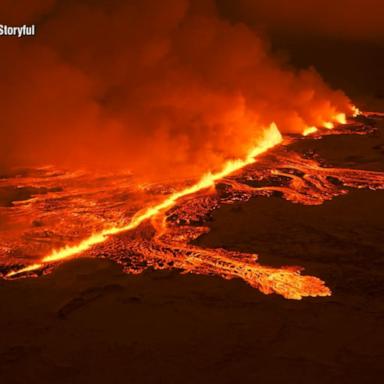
20	31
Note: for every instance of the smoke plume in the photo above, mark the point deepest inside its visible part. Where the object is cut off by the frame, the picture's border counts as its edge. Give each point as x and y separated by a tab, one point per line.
160	88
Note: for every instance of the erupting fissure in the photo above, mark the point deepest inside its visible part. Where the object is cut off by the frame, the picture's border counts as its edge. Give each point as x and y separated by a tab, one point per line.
165	231
271	137
339	118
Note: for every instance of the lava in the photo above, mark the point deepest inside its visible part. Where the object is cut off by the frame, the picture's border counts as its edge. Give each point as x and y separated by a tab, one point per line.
271	138
339	118
161	235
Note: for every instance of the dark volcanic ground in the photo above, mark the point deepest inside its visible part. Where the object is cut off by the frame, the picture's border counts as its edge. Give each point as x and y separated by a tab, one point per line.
88	322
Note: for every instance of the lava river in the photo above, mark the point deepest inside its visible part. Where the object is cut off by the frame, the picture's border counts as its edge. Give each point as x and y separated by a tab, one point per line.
146	225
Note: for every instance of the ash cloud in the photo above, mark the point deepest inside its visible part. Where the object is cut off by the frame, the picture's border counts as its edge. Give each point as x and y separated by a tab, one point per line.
161	88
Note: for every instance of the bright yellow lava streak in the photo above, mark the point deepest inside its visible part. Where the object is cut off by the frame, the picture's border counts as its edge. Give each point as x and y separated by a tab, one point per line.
270	138
309	130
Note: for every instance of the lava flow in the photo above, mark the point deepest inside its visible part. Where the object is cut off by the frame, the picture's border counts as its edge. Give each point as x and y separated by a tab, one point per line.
166	241
271	138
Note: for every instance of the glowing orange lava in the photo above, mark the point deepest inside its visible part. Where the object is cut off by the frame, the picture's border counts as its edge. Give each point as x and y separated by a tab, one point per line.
338	118
271	138
162	235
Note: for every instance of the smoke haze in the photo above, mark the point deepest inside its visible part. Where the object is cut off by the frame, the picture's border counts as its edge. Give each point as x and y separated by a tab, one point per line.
348	19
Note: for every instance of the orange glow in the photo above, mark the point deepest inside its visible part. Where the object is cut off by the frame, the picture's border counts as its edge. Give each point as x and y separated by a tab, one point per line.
270	138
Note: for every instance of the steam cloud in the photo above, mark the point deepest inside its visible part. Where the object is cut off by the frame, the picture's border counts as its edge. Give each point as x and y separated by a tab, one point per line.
164	87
